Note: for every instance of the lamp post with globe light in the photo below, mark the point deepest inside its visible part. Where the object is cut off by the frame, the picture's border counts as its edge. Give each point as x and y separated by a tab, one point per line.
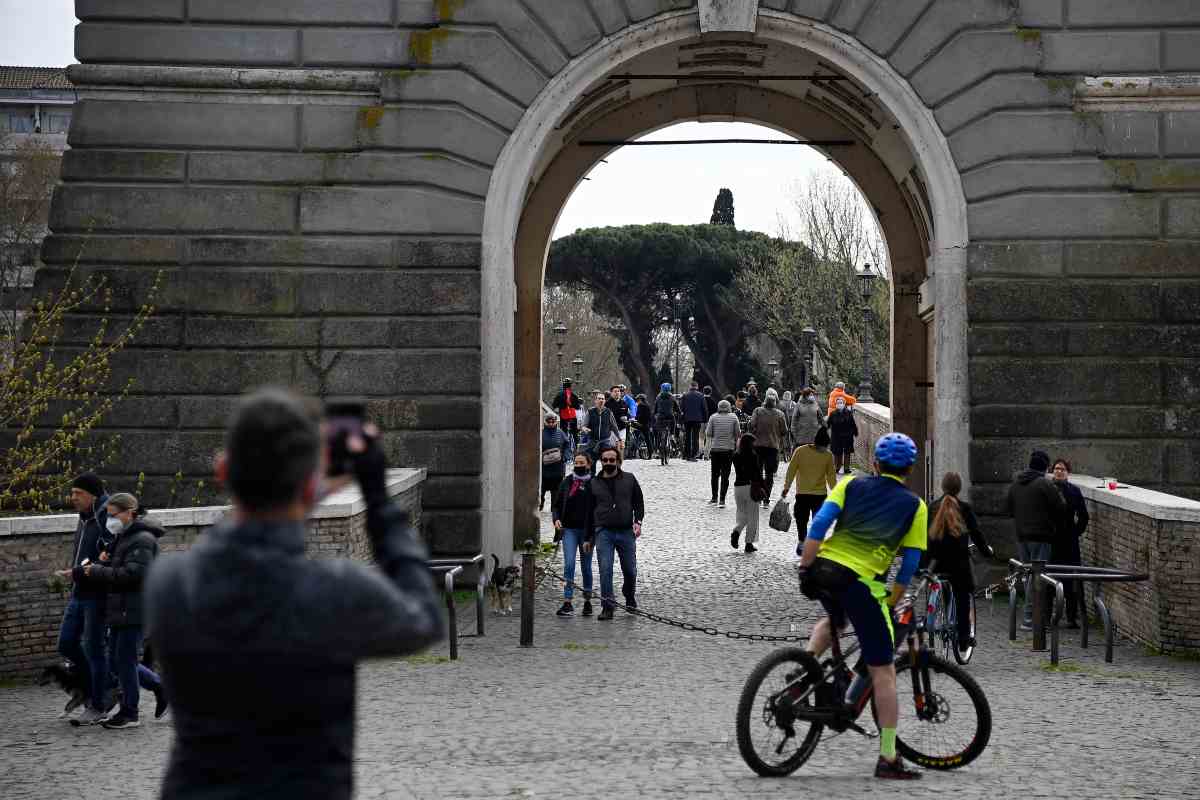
866	280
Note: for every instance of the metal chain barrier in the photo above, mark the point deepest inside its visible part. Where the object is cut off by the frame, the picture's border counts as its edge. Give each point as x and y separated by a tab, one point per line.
682	624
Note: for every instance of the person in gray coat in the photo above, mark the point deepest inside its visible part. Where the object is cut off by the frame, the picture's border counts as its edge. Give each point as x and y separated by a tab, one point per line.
770	430
259	643
722	431
807	418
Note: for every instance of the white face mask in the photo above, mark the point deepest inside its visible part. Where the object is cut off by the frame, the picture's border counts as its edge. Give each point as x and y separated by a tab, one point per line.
114	525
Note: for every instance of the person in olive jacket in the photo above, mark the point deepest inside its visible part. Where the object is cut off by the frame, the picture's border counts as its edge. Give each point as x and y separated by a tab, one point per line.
120	573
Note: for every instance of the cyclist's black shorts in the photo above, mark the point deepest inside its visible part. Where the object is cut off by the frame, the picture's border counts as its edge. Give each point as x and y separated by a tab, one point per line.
863	601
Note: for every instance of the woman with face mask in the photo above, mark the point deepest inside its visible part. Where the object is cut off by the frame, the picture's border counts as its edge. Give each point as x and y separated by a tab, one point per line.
122	576
570	510
843	430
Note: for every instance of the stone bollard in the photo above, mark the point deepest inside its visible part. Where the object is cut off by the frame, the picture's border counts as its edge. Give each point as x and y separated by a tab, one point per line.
528	568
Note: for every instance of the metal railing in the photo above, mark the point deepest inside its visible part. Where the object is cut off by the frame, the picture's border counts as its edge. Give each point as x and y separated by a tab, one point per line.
448	569
1045	576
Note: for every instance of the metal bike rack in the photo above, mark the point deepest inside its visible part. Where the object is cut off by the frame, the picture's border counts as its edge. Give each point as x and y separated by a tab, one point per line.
448	569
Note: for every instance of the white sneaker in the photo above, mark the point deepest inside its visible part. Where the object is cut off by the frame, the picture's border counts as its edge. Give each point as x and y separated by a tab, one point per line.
90	716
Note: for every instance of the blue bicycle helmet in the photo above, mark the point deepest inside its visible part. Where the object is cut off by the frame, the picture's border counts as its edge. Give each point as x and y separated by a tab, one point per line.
896	450
666	387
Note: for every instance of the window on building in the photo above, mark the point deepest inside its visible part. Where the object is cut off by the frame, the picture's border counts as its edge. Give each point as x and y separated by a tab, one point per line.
16	119
56	122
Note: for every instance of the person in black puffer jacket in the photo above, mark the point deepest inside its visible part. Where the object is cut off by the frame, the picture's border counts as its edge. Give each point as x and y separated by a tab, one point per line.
570	508
121	573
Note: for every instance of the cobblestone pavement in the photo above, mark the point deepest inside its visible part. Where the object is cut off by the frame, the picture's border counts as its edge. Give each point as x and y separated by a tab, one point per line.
633	709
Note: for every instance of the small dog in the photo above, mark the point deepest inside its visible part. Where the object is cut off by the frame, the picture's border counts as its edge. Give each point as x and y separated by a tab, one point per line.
500	587
70	680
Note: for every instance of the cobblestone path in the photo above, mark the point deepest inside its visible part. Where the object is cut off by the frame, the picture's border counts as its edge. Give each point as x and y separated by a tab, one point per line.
634	709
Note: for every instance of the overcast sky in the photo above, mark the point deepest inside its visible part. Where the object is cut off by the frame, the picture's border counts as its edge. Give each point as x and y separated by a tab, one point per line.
636	186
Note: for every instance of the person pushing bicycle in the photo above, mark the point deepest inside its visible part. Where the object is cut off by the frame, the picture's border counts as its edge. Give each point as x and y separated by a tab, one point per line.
877	516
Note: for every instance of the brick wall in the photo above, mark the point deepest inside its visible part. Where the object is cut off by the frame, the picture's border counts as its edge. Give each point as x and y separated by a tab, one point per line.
32	600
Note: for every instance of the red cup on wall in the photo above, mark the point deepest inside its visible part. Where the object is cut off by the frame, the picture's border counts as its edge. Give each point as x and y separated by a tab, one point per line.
1111	484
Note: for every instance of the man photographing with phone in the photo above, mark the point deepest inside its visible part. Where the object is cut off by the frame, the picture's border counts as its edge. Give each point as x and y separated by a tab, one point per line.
258	643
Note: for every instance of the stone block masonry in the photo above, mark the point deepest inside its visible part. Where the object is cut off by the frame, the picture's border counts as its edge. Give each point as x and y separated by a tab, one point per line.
32	599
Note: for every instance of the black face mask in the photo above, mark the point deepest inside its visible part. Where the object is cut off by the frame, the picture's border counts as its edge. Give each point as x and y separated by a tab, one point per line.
581	470
609	469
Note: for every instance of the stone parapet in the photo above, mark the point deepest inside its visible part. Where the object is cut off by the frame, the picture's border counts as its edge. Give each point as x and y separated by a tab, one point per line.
32	599
873	421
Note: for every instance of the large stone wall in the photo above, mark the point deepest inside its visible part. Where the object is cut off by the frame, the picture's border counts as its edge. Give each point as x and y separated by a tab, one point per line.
873	421
311	178
1142	531
32	599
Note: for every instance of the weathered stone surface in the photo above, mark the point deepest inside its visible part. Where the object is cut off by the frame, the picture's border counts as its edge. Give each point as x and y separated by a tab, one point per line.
169	209
116	165
814	9
1020	133
1101	421
611	15
1003	91
1010	300
61	249
1005	177
492	53
438	253
1182	379
186	125
236	332
1074	380
407	332
135	411
850	13
206	412
1183	216
1143	12
157	331
1181	302
511	19
1017	421
1139	462
1133	340
212	372
358	12
1181	135
395	210
307	251
1181	51
886	23
1073	215
426	413
191	44
990	339
1035	13
1073	52
1183	462
970	58
442	452
641	9
452	532
1134	259
450	85
355	47
571	24
389	292
444	491
443	129
1154	174
1130	134
1015	258
388	372
938	24
129	9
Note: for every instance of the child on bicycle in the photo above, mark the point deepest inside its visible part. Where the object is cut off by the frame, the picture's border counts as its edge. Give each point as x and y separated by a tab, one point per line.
949	549
876	516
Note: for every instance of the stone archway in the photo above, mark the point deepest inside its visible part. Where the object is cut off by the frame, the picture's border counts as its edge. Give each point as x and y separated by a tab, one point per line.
902	163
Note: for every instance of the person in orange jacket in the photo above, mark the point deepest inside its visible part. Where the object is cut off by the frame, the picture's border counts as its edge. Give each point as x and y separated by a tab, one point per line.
839	390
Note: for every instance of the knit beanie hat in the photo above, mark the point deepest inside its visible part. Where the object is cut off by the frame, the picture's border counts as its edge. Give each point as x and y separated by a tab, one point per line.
89	482
724	407
1039	460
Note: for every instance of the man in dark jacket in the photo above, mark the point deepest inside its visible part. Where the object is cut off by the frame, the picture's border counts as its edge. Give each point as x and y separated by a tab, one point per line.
258	643
121	575
1071	528
1036	507
614	524
693	420
81	637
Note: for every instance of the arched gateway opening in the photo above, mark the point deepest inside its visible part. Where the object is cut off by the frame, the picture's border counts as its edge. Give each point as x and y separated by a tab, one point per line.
796	76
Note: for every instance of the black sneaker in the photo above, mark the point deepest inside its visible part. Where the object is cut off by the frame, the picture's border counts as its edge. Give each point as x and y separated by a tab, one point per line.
631	606
566	610
712	502
733	539
721	504
160	702
120	721
751	548
606	614
587	608
895	770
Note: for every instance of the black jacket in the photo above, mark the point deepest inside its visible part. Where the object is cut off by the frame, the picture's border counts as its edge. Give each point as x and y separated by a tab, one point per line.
746	467
91	537
601	425
1036	507
259	644
125	571
1075	522
619	409
614	503
665	407
710	406
572	509
842	425
694	407
952	553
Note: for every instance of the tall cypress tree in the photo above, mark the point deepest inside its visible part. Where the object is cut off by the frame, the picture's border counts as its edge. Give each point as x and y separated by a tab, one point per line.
723	209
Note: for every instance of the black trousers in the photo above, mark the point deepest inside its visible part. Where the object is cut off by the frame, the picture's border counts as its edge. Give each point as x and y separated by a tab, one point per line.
720	462
1065	550
769	458
807	505
693	439
962	578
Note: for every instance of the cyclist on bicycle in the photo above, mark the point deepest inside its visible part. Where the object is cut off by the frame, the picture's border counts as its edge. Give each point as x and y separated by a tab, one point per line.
664	414
876	516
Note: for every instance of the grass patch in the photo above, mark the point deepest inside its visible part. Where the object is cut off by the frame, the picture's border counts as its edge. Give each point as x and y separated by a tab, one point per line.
10	683
1048	667
422	659
584	648
464	597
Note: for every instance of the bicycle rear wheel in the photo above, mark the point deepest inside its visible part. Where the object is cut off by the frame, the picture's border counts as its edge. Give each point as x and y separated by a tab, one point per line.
772	741
941	621
956	723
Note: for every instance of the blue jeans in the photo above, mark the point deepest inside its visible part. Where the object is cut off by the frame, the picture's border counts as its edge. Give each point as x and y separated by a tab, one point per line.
1030	552
572	542
622	542
81	641
123	645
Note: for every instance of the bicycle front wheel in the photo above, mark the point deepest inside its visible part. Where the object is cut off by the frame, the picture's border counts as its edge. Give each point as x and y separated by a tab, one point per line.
963	654
772	741
942	628
955	724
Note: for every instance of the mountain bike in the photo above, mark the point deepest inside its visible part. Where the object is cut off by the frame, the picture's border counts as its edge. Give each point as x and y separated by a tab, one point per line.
941	620
666	443
791	698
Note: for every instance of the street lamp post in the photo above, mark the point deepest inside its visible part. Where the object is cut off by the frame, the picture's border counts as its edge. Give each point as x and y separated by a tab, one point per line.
560	335
773	365
578	362
866	283
809	343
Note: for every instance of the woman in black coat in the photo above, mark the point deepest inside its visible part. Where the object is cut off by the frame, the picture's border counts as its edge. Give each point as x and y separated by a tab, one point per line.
121	573
747	471
952	527
843	430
